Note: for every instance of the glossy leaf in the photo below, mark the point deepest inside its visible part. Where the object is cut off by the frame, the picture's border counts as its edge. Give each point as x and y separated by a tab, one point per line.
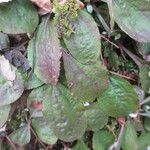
129	140
4	41
102	140
86	82
96	119
44	52
144	142
2	1
18	16
4	112
43	130
119	99
21	136
84	44
144	48
67	123
131	19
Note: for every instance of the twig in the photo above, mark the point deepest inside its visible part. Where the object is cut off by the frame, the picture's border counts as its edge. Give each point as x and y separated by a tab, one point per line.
115	73
105	38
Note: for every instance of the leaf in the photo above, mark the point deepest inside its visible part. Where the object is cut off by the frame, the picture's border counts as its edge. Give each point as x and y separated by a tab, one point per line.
85	43
144	48
4	112
129	140
131	19
37	96
43	4
18	16
21	136
144	78
10	91
80	146
119	99
95	118
7	70
44	130
86	82
4	41
144	141
45	49
2	1
102	140
147	123
67	122
32	82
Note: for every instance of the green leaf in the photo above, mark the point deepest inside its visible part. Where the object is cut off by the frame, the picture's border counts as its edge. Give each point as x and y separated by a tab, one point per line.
4	112
4	41
18	16
44	52
129	139
147	123
85	43
32	81
96	119
119	99
86	82
144	77
144	142
144	48
43	130
10	91
102	140
21	136
80	146
131	19
67	122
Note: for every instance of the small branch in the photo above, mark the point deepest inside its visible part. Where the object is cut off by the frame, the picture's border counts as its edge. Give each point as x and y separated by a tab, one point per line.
105	38
123	76
145	101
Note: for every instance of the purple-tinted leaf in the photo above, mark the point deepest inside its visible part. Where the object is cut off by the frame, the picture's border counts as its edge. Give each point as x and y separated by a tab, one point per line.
44	52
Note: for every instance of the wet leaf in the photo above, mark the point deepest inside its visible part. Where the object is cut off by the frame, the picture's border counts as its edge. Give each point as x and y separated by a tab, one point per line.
67	123
102	140
21	136
4	112
84	44
131	19
129	140
119	99
43	130
18	16
96	119
86	82
44	52
4	41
